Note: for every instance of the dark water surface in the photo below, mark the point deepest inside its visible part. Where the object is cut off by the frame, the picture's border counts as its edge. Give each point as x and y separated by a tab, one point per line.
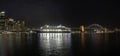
59	44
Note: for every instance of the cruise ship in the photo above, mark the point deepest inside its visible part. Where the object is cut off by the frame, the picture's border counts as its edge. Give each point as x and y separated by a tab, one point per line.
54	29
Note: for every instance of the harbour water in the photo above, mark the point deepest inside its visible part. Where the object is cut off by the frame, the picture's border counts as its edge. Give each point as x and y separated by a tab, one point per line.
59	44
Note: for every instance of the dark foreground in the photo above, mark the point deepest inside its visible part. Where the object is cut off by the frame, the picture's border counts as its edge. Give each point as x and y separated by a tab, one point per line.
59	44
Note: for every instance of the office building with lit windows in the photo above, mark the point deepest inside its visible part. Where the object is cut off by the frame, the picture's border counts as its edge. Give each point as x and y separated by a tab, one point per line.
9	24
2	20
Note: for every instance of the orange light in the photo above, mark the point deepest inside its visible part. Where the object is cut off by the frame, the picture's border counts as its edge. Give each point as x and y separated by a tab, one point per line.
82	28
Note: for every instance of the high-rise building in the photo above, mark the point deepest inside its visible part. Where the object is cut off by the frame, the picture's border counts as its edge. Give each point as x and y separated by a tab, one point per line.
9	24
2	20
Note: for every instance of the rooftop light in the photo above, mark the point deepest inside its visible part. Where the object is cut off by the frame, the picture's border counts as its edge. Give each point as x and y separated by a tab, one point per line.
2	12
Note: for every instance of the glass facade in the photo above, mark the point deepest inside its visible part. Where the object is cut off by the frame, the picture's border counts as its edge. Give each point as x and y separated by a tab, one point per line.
2	20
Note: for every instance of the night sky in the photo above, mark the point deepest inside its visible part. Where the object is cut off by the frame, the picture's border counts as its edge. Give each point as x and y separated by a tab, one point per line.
71	13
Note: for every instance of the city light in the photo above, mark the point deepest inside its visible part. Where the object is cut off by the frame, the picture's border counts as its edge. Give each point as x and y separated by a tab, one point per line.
58	28
82	28
11	25
2	12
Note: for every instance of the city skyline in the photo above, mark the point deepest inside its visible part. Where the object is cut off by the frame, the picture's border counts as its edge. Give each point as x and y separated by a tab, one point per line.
69	13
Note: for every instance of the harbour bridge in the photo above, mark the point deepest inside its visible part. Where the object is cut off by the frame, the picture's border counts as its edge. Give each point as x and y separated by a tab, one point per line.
95	28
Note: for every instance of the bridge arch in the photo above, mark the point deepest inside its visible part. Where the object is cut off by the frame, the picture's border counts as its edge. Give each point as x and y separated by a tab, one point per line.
95	28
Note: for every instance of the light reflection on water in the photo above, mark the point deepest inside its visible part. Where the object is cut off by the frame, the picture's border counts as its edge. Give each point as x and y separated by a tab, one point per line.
11	44
55	44
58	44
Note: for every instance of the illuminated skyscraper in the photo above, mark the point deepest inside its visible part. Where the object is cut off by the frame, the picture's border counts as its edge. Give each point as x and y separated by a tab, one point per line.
2	20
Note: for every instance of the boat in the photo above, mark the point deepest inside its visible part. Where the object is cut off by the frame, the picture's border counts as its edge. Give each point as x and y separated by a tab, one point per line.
54	29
